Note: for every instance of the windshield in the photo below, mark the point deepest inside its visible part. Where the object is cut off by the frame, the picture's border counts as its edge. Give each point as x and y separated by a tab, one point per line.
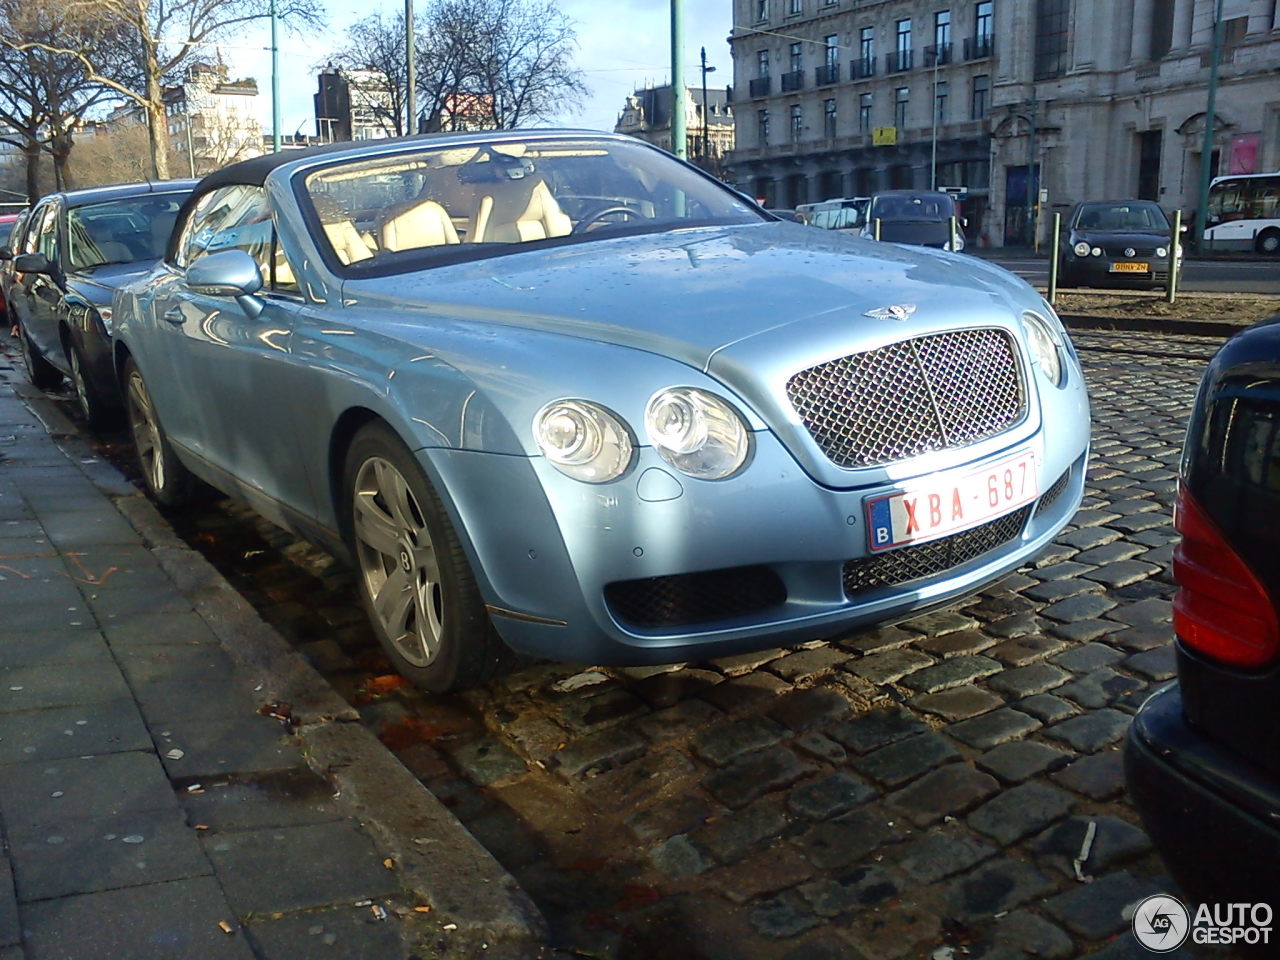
121	231
1139	217
925	208
392	212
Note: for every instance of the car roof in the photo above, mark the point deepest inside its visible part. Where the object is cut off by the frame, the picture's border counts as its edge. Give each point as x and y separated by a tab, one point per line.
256	170
121	191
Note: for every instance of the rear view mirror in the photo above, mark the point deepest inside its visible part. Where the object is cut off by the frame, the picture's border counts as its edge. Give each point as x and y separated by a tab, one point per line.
32	263
230	273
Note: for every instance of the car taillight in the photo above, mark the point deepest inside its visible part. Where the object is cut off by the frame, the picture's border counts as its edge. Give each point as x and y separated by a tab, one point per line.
1221	609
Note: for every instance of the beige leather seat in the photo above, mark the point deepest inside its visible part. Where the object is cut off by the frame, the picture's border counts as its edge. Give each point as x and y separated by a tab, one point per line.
518	215
347	242
416	223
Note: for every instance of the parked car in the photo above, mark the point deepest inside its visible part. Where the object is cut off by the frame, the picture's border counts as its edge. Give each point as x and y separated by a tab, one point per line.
920	217
1203	755
1120	243
10	223
67	259
563	392
842	214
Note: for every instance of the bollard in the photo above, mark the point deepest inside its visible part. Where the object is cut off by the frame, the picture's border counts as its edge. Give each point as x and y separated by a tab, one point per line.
877	228
952	227
1053	258
1175	246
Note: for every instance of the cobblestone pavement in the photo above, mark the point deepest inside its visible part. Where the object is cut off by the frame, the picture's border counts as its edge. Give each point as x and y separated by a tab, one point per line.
891	794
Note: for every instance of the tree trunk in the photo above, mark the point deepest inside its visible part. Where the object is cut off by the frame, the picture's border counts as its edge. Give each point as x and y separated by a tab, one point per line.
157	123
31	150
61	148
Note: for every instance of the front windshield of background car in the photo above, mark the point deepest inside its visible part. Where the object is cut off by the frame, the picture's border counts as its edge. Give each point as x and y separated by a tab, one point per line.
121	231
1132	217
920	208
455	202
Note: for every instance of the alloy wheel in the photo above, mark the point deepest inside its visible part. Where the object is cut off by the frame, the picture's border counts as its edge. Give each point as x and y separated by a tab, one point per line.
81	387
397	560
146	432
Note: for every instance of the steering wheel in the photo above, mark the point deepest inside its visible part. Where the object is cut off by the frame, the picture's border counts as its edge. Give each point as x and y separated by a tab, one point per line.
589	221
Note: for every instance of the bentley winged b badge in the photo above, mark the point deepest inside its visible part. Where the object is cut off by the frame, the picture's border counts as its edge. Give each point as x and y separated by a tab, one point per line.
896	311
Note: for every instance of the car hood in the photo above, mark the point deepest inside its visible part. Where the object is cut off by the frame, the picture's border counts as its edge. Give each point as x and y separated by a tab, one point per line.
691	293
97	286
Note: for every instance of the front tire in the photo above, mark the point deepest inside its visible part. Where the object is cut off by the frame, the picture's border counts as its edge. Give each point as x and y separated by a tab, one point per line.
42	374
1268	243
97	413
167	480
417	587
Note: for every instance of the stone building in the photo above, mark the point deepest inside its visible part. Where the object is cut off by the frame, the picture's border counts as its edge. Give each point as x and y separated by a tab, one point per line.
212	120
354	105
647	115
846	97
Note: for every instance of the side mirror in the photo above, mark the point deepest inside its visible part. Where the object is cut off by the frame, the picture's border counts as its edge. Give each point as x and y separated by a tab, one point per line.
1183	228
32	263
231	273
964	222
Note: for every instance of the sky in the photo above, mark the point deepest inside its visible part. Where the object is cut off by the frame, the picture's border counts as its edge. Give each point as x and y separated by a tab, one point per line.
623	45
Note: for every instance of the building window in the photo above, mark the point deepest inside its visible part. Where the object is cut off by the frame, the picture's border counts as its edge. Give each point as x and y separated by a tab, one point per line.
1161	37
762	127
797	57
981	99
942	36
762	10
797	122
864	114
903	49
982	25
901	97
940	102
795	8
1051	38
762	64
832	50
866	65
829	118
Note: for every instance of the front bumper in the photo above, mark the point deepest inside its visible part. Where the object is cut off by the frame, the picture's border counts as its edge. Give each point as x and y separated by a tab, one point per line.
549	552
1214	819
1096	271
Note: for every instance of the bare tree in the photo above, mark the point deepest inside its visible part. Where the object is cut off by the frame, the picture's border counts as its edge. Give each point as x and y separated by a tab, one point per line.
485	63
517	56
376	45
45	95
166	36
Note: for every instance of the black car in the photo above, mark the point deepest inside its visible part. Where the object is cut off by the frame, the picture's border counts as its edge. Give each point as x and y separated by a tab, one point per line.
1116	243
920	217
1203	756
68	258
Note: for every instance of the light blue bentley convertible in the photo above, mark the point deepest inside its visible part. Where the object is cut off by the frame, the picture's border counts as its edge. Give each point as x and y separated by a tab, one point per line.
561	392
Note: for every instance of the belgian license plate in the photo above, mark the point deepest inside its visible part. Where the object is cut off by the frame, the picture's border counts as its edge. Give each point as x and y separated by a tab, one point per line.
951	502
1128	266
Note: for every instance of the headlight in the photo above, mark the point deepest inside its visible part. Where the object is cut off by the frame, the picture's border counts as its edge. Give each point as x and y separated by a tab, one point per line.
1043	343
1162	251
696	432
583	440
1096	251
1081	249
104	313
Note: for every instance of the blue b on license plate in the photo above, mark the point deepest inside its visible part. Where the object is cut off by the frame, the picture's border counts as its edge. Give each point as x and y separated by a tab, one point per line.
950	502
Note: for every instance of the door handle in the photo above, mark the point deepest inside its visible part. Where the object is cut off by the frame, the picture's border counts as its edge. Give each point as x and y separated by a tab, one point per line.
174	315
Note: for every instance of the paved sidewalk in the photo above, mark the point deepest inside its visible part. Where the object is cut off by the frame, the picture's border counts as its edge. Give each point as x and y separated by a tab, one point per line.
150	804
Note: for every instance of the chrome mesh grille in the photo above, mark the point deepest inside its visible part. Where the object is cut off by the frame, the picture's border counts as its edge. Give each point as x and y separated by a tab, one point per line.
936	392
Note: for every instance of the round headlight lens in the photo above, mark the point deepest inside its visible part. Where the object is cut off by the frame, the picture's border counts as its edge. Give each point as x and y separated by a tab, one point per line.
1043	343
1081	249
696	432
1162	251
583	440
1096	251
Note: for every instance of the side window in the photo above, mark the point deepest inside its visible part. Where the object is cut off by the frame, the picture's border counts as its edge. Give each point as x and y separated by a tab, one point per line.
47	241
36	227
237	217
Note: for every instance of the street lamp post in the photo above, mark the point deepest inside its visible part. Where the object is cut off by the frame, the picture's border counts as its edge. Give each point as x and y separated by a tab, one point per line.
933	144
275	80
679	146
1206	149
706	113
411	70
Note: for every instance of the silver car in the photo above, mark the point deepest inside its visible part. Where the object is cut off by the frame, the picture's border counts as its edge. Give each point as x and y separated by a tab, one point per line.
562	392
